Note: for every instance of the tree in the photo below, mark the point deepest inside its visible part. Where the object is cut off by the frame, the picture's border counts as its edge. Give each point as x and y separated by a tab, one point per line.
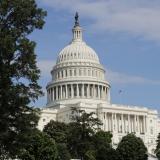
57	130
81	131
132	148
63	152
18	70
39	146
103	147
106	153
157	151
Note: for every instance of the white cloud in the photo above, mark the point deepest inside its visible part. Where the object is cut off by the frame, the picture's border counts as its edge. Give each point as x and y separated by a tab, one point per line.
139	18
121	78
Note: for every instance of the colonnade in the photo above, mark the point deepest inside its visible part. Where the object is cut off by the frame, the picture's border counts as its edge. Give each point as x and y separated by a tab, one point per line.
81	90
124	123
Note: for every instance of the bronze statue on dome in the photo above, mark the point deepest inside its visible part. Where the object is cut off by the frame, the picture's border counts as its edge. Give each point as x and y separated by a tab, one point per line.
76	19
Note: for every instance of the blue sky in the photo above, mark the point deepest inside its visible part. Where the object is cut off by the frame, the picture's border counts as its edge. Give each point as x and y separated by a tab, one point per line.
124	33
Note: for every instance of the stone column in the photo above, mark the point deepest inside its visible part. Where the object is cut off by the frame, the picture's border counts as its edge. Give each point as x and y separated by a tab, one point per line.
98	91
129	124
112	123
115	122
83	90
61	92
53	93
105	93
106	121
56	92
122	123
94	91
146	124
66	91
138	130
134	124
47	96
88	88
72	91
77	90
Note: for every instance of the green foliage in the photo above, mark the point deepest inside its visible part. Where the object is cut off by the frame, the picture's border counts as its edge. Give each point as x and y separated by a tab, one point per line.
81	131
57	130
102	138
18	70
106	153
39	146
103	147
63	153
132	148
157	151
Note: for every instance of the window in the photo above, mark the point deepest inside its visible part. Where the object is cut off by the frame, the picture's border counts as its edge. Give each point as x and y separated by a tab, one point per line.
70	72
74	72
80	72
89	73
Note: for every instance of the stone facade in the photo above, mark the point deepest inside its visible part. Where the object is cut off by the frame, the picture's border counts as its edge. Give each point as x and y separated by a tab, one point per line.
78	80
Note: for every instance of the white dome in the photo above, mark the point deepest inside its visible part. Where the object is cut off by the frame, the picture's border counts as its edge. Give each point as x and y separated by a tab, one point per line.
77	51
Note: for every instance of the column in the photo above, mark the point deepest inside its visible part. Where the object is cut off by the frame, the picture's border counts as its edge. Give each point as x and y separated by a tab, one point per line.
61	92
116	129
56	92
66	91
98	92
138	123
77	90
112	123
105	93
94	91
146	123
88	88
129	124
72	91
106	121
82	90
135	125
108	95
53	93
122	123
47	96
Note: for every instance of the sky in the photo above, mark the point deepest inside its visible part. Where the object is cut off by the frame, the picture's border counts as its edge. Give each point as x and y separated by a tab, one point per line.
124	33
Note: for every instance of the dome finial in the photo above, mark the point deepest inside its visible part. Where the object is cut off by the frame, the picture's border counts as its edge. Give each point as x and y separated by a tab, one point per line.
76	19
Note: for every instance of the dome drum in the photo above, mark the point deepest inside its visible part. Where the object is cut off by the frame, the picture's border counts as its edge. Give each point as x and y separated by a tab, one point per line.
77	90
